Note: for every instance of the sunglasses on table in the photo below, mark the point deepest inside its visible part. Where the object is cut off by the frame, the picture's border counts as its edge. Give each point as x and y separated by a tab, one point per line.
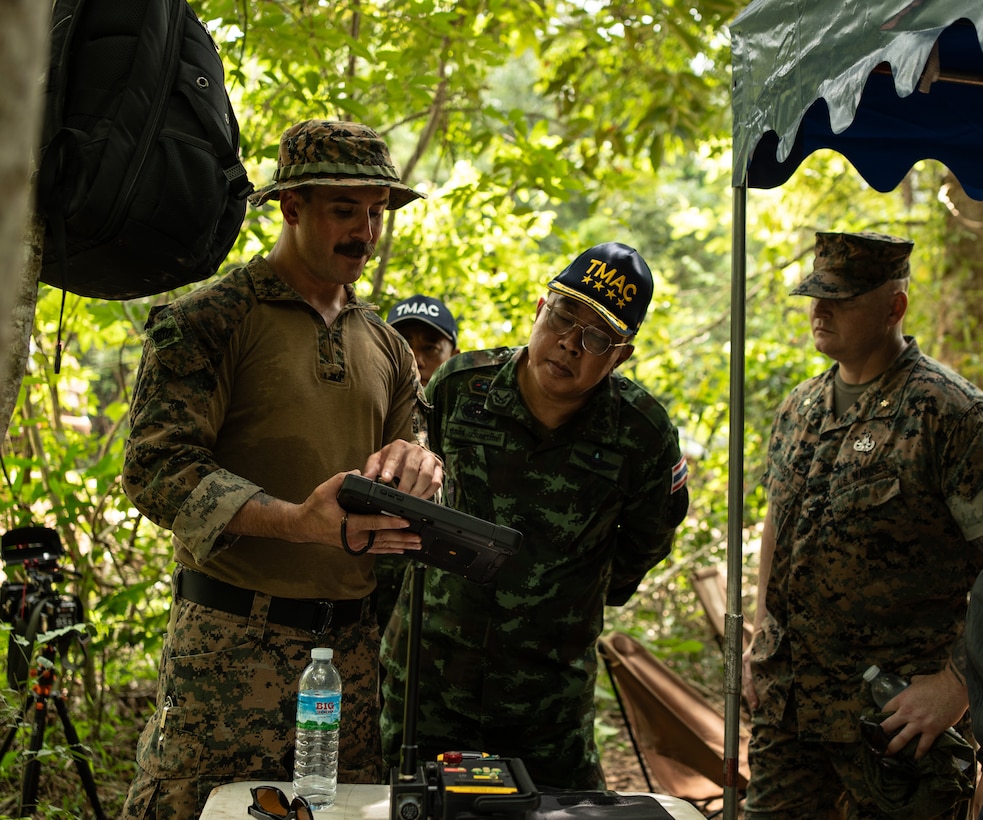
269	802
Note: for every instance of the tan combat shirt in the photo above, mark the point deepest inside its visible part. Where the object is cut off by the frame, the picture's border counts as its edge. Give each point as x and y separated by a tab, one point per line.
243	388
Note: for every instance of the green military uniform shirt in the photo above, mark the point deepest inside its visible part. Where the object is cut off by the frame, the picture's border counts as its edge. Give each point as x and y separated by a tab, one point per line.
597	500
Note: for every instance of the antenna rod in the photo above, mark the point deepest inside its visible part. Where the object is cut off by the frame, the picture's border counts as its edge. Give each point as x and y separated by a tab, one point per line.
408	752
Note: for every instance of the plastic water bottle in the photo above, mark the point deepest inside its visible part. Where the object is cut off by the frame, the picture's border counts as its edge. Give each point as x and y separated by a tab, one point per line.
318	717
883	685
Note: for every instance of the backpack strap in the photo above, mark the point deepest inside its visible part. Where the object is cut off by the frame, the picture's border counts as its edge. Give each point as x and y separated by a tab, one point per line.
61	153
224	142
61	144
232	167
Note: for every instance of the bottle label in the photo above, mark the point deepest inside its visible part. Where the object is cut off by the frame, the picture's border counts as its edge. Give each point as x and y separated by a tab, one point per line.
319	711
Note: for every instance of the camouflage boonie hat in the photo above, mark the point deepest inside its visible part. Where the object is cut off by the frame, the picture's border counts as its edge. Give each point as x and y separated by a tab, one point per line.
848	264
339	154
611	279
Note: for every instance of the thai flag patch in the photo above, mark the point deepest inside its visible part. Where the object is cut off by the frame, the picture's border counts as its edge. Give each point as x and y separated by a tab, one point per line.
679	475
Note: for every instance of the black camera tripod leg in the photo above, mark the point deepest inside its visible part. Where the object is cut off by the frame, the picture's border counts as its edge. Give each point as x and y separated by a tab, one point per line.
32	770
12	733
8	741
81	759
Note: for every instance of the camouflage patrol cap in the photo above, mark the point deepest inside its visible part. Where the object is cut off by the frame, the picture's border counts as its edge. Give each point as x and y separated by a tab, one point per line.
339	154
848	264
611	279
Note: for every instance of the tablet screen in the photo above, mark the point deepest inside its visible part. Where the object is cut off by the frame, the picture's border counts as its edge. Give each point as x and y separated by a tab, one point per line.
452	540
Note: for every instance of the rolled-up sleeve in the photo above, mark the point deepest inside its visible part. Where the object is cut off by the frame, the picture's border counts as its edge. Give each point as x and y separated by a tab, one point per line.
169	472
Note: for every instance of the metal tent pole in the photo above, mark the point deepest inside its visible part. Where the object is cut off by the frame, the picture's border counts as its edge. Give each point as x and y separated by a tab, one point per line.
734	619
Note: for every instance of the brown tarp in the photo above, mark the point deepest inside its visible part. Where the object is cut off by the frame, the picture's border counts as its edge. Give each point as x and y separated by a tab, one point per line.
679	733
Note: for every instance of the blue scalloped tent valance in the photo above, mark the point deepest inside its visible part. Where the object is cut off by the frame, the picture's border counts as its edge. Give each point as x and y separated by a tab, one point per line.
885	84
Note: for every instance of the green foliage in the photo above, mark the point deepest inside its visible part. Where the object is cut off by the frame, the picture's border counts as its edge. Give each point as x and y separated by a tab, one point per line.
536	129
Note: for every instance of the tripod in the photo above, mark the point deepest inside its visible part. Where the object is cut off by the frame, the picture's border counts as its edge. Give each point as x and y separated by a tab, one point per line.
41	693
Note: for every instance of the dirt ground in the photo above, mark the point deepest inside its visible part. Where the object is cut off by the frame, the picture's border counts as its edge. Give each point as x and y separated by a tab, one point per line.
621	768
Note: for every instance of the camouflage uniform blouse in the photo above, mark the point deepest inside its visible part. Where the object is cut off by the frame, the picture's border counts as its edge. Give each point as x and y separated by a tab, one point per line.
595	503
243	387
878	516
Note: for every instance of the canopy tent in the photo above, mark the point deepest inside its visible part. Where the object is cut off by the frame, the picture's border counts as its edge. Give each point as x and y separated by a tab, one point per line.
886	83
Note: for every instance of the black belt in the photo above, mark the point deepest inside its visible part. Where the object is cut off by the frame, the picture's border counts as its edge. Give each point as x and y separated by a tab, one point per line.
309	614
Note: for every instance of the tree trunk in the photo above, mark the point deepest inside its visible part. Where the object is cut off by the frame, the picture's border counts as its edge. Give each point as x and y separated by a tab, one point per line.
23	56
961	320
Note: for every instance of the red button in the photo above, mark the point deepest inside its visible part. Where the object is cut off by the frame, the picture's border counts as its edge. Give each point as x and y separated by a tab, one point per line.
452	758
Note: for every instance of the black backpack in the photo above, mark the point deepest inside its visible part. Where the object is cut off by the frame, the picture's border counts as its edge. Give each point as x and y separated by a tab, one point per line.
139	181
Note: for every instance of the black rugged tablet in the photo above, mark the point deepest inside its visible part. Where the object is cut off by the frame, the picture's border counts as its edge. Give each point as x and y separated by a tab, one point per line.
452	540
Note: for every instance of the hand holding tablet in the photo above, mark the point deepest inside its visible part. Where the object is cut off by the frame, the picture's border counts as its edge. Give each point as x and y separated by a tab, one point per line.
452	540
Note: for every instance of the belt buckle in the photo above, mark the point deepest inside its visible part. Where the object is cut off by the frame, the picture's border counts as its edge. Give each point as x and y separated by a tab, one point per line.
323	613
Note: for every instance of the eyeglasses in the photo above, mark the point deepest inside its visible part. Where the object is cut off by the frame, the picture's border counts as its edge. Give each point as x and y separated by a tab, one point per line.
269	802
593	340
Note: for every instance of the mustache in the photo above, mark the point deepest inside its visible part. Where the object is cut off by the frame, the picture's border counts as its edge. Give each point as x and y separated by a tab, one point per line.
355	248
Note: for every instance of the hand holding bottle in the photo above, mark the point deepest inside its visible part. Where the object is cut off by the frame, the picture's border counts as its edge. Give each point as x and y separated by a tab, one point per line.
928	706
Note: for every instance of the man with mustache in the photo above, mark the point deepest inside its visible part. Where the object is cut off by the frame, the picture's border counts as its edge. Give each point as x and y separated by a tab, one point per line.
872	539
256	394
550	439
